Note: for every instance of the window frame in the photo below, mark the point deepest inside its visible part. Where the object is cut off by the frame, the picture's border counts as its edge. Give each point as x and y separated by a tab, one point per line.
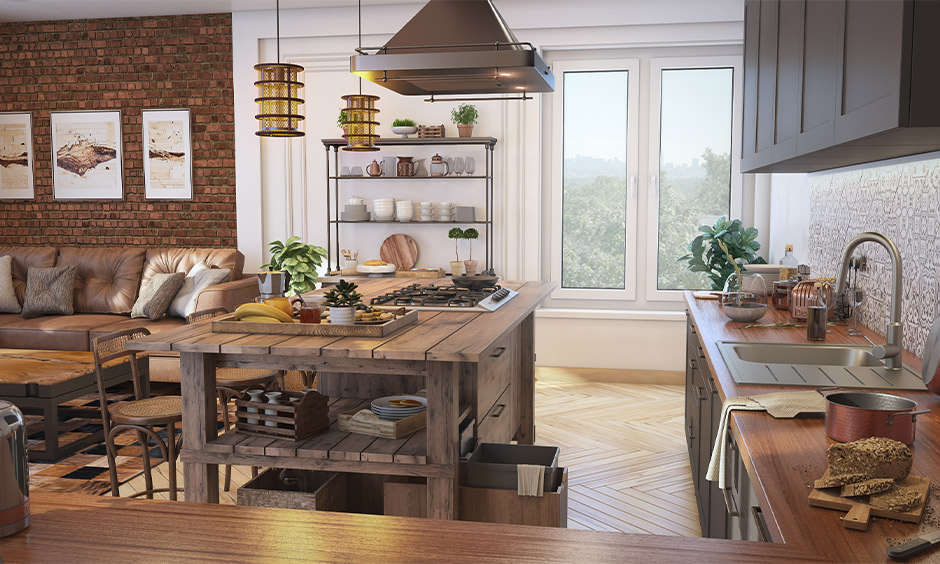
657	65
632	66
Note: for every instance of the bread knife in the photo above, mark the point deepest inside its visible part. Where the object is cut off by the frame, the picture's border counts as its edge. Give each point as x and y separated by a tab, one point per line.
914	546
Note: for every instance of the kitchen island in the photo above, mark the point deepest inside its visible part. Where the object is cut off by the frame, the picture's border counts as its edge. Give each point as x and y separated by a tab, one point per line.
784	456
473	366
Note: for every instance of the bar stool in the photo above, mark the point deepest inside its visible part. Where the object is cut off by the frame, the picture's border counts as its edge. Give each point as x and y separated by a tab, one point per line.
231	382
142	414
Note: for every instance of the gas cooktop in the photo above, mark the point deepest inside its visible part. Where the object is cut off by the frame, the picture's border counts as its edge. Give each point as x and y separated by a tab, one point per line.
446	298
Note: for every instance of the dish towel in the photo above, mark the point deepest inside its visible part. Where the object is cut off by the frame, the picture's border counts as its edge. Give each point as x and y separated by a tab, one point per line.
782	405
530	479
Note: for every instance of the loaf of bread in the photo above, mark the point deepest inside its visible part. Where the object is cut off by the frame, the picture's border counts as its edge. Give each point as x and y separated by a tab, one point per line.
375	262
900	498
874	457
868	487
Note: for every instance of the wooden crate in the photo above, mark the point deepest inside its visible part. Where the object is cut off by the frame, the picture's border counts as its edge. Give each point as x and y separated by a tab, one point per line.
228	324
407	497
380	427
439	273
430	131
317	490
303	416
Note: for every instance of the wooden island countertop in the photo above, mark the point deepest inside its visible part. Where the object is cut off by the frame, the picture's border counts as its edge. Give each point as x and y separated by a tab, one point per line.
784	456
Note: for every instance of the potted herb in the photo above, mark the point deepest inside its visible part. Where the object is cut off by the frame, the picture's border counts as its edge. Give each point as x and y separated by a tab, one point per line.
456	267
470	266
465	115
706	255
404	127
342	301
299	260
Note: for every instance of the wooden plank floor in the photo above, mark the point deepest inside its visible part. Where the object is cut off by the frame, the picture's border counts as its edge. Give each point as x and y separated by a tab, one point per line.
621	437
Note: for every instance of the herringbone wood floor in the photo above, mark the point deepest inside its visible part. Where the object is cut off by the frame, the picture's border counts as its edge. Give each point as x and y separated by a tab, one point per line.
622	440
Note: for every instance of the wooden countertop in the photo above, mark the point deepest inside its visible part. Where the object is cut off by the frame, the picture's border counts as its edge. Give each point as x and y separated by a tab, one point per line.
784	456
80	528
460	336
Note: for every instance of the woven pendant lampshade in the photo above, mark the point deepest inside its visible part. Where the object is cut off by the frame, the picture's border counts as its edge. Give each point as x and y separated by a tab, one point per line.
280	105
359	127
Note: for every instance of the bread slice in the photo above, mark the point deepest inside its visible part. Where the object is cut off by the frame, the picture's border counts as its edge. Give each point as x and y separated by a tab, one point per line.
840	480
868	487
874	457
900	498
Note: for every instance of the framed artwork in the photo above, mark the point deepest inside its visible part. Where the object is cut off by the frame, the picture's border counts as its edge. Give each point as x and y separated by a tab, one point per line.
87	160
16	156
168	159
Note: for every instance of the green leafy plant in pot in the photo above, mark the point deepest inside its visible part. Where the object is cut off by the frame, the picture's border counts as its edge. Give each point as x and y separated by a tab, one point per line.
299	260
342	301
456	267
470	266
465	115
404	127
706	255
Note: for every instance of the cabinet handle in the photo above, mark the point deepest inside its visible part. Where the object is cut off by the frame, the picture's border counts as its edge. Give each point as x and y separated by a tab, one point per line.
692	364
701	352
691	434
695	392
501	407
728	503
499	352
762	531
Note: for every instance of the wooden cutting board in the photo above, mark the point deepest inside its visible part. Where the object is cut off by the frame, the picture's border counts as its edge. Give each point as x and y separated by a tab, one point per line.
858	511
399	249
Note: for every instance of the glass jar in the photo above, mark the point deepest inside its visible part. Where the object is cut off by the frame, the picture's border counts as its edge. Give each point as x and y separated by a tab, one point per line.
744	297
780	298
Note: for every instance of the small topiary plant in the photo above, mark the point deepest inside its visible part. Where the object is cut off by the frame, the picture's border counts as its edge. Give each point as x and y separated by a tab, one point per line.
470	234
456	234
343	295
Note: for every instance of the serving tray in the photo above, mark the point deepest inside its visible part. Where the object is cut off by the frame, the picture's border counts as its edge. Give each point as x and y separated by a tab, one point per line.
228	324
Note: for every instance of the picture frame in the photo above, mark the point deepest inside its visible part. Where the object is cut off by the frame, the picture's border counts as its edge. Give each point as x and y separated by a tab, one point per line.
168	154
16	156
87	155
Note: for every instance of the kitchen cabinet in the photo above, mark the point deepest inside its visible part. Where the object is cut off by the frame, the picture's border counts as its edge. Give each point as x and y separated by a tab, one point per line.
830	83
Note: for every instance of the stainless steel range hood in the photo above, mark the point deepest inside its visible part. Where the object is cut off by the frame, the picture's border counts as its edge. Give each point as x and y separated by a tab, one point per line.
455	47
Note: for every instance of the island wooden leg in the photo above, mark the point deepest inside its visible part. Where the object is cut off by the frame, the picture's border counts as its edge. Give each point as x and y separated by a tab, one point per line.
443	398
197	380
525	395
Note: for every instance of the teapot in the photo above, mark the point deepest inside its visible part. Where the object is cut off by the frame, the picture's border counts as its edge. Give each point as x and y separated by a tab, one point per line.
374	169
439	167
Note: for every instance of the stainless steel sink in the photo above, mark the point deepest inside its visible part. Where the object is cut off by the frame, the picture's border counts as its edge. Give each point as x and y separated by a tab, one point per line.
793	364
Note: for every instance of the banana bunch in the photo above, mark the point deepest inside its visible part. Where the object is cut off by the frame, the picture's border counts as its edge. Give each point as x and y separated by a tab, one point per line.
261	313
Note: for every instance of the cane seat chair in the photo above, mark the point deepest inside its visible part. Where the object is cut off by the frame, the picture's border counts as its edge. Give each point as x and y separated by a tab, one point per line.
141	414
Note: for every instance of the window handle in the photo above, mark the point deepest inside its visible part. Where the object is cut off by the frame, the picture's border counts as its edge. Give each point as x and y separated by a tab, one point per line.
633	187
654	186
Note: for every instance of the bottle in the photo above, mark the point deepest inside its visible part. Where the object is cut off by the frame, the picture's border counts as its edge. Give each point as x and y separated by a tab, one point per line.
788	264
817	314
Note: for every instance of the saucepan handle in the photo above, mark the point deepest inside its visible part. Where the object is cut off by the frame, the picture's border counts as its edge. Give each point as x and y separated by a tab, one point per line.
913	415
828	388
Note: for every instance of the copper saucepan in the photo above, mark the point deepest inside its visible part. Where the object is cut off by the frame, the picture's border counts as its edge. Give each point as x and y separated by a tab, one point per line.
856	415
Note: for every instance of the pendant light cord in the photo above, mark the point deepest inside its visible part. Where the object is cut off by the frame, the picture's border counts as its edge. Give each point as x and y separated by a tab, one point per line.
360	40
277	18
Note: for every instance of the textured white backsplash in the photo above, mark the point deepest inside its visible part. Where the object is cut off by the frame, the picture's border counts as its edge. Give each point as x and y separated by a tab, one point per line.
901	201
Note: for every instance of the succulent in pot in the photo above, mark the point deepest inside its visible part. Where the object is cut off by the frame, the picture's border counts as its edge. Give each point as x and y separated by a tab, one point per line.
342	301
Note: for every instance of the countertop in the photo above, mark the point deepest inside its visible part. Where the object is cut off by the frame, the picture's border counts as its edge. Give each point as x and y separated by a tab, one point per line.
784	456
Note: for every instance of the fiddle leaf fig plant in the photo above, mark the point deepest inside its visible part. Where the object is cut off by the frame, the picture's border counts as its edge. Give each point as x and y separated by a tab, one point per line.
706	253
300	260
343	295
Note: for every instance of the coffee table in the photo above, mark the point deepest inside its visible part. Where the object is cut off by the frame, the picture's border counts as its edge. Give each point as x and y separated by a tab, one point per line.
42	380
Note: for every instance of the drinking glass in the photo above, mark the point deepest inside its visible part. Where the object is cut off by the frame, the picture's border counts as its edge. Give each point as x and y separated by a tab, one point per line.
458	165
471	166
856	297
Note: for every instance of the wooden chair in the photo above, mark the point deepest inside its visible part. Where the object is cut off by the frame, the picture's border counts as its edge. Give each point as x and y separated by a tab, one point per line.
142	414
231	382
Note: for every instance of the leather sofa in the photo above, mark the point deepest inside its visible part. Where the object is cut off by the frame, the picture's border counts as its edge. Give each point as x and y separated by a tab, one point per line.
106	285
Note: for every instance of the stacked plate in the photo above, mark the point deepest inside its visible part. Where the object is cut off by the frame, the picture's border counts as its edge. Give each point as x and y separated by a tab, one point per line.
396	408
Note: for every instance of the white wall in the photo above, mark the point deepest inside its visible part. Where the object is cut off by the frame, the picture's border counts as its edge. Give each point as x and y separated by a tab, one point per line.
789	215
281	185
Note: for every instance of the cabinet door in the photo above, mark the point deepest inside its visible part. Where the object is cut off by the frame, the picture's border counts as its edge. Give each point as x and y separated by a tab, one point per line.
702	426
821	23
787	83
749	121
718	515
874	68
766	81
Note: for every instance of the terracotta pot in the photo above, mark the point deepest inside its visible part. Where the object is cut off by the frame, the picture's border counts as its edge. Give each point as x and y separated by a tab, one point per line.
465	130
857	415
456	268
470	267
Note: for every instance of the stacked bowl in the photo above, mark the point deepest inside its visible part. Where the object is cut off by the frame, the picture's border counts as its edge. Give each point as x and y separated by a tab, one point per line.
396	408
384	209
404	210
425	212
446	212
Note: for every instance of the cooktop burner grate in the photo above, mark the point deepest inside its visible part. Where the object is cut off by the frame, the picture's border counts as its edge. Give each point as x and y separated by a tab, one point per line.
416	295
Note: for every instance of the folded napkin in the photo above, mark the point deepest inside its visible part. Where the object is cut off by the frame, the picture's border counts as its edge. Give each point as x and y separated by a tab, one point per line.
530	479
782	405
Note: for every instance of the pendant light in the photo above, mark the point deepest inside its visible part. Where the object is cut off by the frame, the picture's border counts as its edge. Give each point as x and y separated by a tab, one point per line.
359	125
279	99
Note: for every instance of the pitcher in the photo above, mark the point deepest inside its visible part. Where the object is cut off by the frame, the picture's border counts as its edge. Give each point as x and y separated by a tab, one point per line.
406	166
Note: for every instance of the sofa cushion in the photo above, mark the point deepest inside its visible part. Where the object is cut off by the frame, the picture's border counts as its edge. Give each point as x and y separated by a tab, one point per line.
122	323
25	257
6	318
165	261
106	279
8	301
156	296
49	291
55	332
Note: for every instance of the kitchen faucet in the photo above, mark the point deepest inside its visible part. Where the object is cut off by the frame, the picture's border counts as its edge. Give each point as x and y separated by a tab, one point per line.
891	350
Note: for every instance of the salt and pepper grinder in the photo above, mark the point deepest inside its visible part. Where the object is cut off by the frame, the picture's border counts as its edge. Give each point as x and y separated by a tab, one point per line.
256	396
817	315
274	398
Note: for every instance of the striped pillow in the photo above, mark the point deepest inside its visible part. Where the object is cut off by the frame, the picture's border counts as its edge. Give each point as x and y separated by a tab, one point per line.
49	291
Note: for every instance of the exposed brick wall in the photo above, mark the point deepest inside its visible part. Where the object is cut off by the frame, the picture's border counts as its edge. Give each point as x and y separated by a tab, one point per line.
128	64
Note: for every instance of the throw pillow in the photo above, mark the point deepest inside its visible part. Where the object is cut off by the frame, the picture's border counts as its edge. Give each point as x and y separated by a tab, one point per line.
156	296
185	293
201	281
8	301
49	291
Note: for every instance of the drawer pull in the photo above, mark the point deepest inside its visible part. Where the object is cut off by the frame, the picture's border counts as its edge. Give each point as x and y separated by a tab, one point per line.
499	352
691	432
692	364
728	503
762	531
695	392
501	407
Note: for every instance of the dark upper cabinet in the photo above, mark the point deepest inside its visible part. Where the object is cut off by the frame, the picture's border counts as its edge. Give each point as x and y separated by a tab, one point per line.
830	83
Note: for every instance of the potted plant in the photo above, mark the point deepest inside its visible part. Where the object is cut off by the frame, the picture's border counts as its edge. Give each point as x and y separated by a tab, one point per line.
465	115
456	267
404	127
470	266
342	301
341	120
706	255
299	260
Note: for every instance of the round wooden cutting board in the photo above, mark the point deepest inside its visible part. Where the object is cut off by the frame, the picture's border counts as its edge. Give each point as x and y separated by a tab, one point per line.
399	249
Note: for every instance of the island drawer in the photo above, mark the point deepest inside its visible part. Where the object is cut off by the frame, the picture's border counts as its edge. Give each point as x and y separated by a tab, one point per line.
498	426
494	371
